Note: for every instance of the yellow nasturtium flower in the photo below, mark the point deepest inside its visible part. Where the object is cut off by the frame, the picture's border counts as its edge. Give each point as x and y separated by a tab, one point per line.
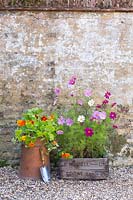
23	138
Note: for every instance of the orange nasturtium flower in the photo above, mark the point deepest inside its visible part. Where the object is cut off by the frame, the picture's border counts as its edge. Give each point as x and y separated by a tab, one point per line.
55	143
21	122
51	117
65	155
23	138
31	121
44	118
31	144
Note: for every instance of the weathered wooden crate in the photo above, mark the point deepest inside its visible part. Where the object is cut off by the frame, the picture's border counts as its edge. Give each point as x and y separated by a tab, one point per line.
84	168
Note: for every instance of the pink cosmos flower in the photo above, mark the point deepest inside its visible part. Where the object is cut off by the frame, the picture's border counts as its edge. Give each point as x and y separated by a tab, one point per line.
87	92
61	120
96	115
112	115
88	132
107	95
59	132
80	102
105	102
69	122
102	115
57	91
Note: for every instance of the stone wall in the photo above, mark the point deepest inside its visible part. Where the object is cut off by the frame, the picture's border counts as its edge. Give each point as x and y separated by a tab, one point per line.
102	4
39	50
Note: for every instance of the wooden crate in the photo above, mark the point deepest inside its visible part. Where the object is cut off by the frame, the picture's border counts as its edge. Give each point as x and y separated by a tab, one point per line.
84	168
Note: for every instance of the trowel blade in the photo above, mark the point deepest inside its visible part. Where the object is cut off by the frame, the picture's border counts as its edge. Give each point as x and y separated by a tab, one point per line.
45	174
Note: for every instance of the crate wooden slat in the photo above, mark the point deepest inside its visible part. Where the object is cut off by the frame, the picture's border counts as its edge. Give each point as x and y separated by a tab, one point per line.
84	168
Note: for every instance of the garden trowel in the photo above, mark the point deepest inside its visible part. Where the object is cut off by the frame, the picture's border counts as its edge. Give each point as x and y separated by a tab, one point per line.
45	171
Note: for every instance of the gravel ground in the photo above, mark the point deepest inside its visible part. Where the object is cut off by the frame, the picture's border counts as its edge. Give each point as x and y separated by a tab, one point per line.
118	186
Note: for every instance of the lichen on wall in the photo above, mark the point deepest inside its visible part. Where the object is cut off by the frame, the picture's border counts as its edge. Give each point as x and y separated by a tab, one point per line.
42	50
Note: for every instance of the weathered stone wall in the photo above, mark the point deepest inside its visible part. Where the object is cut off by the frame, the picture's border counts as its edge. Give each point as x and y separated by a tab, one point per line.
42	49
68	3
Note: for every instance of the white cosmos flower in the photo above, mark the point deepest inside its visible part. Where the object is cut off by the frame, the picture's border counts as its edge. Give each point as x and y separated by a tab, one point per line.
81	118
91	102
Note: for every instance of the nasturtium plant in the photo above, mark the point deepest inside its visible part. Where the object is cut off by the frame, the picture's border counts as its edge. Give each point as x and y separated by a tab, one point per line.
35	125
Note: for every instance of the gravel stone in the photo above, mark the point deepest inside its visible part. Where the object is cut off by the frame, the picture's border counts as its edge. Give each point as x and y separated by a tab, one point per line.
118	186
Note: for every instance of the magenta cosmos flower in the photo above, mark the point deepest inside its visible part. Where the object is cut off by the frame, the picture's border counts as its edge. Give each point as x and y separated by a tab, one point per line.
113	104
105	102
69	122
89	132
115	126
107	95
57	91
72	81
112	115
98	106
87	92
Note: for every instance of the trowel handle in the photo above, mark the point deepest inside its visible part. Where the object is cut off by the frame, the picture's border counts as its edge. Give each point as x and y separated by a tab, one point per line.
42	156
